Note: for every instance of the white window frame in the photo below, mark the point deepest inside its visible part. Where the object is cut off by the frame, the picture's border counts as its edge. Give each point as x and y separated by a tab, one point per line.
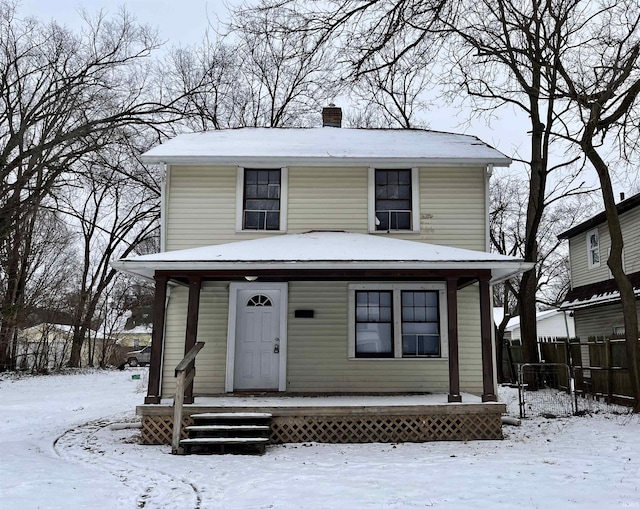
590	262
397	289
284	194
415	200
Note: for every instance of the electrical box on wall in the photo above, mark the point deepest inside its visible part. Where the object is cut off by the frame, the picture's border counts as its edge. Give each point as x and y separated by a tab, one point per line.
304	313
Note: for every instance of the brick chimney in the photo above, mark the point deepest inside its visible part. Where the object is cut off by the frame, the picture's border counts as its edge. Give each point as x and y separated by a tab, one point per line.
332	116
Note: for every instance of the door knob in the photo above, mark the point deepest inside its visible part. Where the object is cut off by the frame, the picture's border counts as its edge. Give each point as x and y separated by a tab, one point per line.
276	349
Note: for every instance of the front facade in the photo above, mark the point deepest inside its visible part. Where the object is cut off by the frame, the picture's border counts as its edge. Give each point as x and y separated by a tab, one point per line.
325	261
594	298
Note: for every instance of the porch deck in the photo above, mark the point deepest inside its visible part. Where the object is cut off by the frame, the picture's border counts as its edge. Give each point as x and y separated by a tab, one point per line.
343	419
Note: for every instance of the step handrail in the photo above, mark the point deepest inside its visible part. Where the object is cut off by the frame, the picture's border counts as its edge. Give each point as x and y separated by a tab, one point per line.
185	372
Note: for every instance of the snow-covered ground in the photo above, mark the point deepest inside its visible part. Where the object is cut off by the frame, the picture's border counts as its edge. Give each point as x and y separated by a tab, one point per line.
57	450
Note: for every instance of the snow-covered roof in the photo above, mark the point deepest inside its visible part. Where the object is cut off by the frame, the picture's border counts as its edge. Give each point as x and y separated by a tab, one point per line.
514	322
323	250
596	300
138	329
599	293
325	146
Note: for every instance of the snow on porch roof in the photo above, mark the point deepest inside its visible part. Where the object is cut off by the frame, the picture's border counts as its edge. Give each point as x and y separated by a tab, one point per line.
325	145
323	250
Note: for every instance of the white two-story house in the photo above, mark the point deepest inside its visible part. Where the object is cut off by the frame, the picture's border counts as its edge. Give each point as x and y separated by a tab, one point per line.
326	261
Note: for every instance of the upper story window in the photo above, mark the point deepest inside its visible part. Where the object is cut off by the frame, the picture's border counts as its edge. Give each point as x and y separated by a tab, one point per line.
261	199
393	200
593	249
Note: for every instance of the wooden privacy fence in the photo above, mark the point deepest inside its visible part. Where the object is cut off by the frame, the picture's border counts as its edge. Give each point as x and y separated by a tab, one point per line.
606	375
555	350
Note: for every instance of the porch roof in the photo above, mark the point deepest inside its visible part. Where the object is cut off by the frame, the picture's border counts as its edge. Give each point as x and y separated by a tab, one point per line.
323	251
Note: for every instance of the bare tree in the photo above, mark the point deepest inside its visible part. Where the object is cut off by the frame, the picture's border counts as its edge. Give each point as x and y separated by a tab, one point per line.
284	77
394	91
208	76
114	212
601	80
62	95
565	207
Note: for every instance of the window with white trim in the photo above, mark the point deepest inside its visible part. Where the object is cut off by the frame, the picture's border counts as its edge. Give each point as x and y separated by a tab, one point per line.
393	200
261	199
420	323
397	321
593	249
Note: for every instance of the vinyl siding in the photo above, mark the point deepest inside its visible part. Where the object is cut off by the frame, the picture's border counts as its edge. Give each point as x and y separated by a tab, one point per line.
597	321
581	274
318	348
317	354
328	199
201	205
212	329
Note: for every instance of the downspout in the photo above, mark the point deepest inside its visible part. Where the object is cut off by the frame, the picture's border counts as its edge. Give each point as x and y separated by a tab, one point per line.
487	207
487	210
163	206
163	247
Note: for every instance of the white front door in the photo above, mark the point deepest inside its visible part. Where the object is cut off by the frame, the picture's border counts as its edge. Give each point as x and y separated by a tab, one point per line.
257	342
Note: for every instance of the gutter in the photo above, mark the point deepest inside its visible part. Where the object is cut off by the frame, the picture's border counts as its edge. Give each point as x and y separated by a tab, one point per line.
326	161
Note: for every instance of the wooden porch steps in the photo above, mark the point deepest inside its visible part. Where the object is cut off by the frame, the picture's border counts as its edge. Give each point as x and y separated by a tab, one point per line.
227	433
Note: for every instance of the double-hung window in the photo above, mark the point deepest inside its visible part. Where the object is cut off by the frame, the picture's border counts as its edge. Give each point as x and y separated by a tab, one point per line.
593	249
262	199
374	324
398	321
393	200
420	323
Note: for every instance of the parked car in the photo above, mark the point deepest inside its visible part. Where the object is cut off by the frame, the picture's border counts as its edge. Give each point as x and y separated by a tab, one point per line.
139	357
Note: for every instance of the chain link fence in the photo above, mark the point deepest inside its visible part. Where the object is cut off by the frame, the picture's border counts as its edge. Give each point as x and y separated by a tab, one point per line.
545	389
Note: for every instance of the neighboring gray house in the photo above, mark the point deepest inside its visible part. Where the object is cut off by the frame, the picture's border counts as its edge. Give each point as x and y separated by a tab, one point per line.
594	298
325	261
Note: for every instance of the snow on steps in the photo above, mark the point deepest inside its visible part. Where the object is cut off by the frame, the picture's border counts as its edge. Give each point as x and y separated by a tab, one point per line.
220	433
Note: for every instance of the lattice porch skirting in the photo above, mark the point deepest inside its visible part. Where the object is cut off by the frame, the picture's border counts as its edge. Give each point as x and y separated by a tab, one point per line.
356	428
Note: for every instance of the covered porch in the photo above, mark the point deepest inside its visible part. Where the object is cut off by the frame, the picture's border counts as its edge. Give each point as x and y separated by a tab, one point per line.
269	268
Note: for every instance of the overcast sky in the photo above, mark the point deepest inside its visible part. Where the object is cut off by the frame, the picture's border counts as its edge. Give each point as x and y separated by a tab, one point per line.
183	22
178	21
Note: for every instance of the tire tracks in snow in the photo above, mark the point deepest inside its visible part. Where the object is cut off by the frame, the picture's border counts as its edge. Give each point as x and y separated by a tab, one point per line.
156	489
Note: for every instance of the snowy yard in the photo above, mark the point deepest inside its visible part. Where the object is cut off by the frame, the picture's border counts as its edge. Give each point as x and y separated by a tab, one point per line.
58	451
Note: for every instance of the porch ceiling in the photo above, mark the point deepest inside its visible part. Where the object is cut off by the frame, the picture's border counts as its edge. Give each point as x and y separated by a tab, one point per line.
324	251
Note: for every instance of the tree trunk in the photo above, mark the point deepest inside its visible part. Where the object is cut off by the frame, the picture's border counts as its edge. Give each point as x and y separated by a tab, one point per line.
535	207
627	296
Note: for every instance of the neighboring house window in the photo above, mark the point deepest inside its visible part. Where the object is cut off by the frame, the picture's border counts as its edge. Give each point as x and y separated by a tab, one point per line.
619	330
397	320
262	197
393	200
593	249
